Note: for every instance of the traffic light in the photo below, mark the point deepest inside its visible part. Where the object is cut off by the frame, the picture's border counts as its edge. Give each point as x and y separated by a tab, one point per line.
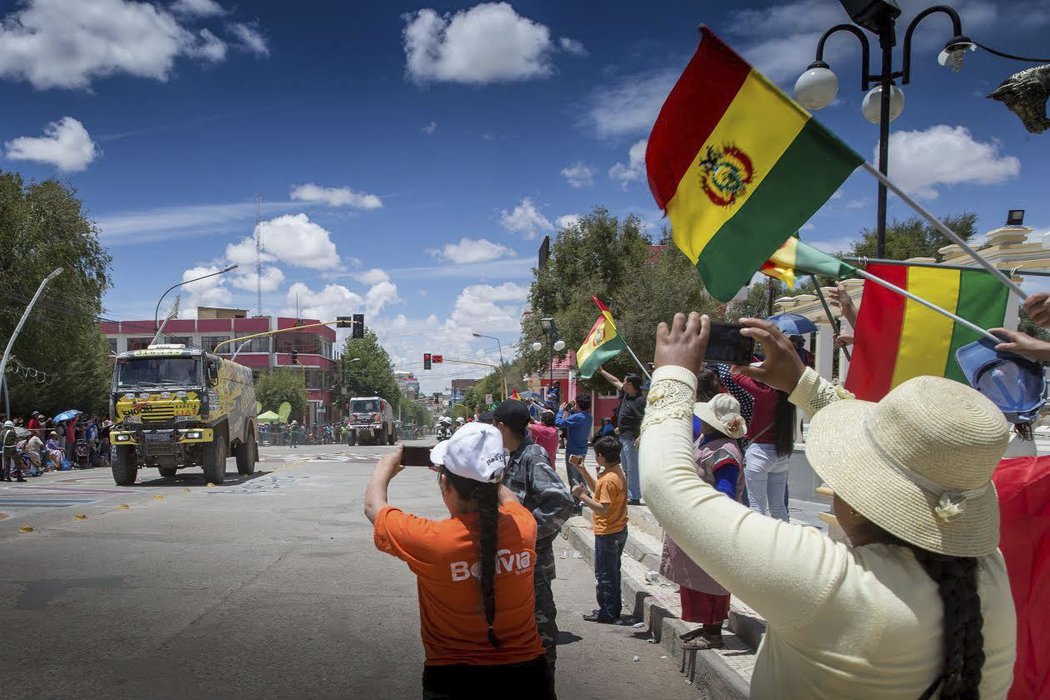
344	322
294	355
438	359
359	326
426	360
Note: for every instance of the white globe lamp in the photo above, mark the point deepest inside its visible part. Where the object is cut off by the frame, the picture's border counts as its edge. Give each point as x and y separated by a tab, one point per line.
817	87
871	106
536	347
559	345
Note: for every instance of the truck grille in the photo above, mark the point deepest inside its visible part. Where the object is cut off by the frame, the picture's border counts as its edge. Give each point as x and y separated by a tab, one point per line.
158	412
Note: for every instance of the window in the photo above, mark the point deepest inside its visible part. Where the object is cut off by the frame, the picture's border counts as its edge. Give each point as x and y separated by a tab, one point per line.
305	343
176	340
112	345
253	345
139	343
208	342
159	371
363	406
319	379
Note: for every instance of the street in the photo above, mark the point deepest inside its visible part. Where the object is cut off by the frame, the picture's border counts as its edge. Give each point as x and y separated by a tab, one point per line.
266	586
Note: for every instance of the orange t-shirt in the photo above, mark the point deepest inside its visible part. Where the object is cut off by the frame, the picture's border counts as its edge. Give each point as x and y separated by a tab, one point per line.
443	554
610	488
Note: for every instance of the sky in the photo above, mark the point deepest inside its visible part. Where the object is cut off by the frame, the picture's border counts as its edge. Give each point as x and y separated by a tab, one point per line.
406	159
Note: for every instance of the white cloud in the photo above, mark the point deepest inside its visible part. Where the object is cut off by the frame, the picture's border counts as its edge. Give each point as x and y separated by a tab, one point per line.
579	174
295	240
380	295
468	251
634	169
430	129
572	46
525	219
567	221
946	155
487	43
63	44
325	304
336	196
373	276
207	292
65	144
483	307
164	223
272	278
628	107
249	39
197	8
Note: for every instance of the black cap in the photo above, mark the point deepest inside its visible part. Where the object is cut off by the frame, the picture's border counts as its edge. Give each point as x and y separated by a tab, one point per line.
486	417
513	414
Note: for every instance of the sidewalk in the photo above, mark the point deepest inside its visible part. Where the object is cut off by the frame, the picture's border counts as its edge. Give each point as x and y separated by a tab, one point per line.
649	597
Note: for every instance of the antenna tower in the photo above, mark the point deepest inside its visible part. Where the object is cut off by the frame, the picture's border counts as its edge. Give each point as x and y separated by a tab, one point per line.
258	254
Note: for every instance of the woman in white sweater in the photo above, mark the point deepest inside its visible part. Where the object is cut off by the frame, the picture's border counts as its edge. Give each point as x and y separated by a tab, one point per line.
919	605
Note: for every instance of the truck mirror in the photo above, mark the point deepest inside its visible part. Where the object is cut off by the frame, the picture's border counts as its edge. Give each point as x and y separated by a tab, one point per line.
213	373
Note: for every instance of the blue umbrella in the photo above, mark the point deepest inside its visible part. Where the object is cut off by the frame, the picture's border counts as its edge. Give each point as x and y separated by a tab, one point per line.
794	324
66	415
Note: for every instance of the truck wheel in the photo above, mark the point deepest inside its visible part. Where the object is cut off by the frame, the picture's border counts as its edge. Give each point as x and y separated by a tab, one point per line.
391	436
125	468
215	460
247	455
168	472
351	440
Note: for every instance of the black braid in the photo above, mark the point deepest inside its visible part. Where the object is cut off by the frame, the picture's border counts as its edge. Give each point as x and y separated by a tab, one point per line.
956	579
487	496
488	505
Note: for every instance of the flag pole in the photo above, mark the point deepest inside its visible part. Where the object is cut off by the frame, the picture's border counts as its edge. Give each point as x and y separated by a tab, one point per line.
928	304
640	365
947	232
827	310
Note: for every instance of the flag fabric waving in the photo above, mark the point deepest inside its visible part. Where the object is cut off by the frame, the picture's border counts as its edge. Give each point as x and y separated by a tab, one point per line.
738	166
898	338
515	395
602	344
796	258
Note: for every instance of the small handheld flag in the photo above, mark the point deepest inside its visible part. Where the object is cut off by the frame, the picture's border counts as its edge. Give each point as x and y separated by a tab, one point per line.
738	166
795	258
602	344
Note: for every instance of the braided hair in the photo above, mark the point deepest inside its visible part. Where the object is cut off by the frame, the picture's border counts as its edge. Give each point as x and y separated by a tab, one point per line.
956	579
487	496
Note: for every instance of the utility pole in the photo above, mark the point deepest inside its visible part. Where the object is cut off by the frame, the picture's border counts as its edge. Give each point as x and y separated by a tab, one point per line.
18	329
258	253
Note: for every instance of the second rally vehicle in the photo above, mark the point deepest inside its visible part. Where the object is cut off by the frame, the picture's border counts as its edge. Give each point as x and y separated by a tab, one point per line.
371	421
176	407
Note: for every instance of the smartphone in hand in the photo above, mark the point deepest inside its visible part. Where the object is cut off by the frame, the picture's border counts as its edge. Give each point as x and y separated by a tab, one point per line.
728	345
416	455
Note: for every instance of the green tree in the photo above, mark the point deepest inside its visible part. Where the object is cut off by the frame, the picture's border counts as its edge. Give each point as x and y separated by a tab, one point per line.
415	413
276	386
365	369
43	226
914	238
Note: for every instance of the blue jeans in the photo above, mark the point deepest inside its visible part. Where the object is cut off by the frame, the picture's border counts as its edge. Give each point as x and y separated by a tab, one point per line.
766	475
607	552
629	462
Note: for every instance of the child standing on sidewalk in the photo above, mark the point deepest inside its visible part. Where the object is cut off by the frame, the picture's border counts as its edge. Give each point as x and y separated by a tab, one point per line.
609	504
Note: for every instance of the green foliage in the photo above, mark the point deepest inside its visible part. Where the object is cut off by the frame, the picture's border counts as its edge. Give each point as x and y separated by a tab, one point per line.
914	238
372	374
276	386
415	413
492	383
43	226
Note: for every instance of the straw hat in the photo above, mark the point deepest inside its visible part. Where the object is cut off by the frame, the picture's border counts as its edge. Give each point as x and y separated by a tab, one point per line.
722	413
918	464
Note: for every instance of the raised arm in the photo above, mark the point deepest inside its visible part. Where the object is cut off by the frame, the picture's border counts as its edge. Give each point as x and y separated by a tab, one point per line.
376	492
783	571
612	379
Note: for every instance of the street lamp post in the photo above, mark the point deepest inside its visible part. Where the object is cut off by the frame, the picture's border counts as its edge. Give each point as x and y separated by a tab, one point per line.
817	87
550	330
502	366
156	312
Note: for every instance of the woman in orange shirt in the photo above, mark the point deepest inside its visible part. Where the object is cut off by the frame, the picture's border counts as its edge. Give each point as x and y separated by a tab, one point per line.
474	570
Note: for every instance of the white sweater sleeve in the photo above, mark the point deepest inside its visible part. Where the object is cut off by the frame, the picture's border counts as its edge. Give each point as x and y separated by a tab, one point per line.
783	571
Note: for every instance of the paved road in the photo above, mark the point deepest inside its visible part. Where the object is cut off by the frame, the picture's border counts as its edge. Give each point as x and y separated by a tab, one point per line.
264	587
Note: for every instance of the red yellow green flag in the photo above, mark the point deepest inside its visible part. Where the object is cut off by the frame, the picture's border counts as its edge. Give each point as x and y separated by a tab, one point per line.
796	258
738	166
898	338
514	395
602	344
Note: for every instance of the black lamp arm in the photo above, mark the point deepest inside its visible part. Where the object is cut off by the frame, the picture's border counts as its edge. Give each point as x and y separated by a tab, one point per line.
956	33
865	50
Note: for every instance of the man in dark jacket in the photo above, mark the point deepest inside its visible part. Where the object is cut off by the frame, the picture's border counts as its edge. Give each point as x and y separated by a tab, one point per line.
539	488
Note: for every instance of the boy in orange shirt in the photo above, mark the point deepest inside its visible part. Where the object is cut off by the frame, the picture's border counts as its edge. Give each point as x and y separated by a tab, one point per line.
609	504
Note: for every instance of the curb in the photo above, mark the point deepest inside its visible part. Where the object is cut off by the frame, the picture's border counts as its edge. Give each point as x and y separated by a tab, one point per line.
714	678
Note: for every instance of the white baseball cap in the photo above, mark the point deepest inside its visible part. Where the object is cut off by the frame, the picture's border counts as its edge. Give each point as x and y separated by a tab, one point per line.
474	452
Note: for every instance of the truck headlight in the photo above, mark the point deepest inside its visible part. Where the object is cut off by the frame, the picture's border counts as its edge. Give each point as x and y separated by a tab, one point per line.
122	438
193	435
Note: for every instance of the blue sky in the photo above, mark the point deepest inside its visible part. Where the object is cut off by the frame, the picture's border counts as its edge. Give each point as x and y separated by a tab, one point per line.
410	157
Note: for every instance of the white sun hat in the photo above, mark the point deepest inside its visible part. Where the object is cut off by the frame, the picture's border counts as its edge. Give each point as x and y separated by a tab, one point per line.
722	413
474	452
918	463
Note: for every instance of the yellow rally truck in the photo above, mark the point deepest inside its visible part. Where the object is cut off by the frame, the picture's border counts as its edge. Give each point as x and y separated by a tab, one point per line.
175	407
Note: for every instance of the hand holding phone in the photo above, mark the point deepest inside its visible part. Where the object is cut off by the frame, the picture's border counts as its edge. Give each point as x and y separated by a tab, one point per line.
416	455
726	344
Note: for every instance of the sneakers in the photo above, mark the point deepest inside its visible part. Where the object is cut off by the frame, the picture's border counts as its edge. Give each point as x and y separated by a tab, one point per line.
599	617
634	502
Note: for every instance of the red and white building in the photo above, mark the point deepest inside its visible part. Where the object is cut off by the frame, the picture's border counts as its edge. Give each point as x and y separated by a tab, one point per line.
315	348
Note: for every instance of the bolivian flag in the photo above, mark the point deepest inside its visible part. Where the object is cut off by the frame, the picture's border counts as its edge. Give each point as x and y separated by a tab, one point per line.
795	258
738	166
602	344
897	338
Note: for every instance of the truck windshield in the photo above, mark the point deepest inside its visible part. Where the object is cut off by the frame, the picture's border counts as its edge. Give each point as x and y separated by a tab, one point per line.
371	406
159	371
